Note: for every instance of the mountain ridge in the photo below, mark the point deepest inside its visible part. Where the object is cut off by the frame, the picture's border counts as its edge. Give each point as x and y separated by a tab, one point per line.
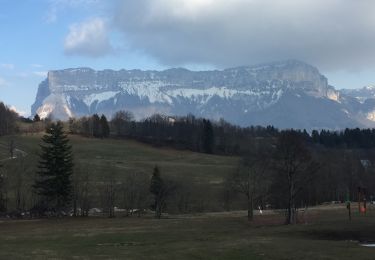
244	95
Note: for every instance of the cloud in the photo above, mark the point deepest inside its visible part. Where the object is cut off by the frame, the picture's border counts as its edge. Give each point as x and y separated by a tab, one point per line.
7	66
89	38
58	6
334	35
22	74
36	65
20	112
40	73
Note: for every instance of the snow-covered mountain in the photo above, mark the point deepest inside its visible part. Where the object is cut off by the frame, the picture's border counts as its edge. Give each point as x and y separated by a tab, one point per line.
361	94
285	94
366	97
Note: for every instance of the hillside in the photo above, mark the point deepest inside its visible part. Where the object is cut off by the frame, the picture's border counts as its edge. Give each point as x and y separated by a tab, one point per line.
94	155
117	160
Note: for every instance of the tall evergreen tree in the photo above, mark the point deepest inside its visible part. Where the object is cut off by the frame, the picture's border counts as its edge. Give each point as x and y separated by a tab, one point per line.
55	168
96	129
156	188
208	136
36	118
104	126
8	120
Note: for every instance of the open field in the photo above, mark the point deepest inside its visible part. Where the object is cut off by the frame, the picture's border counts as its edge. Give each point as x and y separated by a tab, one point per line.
327	234
106	160
125	156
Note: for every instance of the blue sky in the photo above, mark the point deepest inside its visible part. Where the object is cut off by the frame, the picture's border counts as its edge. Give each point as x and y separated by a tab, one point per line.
32	42
41	35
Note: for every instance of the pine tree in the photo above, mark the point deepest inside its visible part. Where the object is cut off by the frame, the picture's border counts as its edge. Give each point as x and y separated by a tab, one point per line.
55	168
208	136
104	126
96	129
36	118
156	188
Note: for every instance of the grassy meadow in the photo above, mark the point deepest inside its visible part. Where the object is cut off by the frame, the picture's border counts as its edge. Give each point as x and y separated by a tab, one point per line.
325	234
98	156
115	159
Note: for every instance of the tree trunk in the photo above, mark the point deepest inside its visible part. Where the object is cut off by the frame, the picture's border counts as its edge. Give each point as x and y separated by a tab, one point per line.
250	207
75	206
158	210
289	217
18	200
289	214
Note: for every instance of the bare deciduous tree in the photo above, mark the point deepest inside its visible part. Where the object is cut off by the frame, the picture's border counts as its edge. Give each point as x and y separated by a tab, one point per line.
250	178
135	193
161	189
294	164
81	188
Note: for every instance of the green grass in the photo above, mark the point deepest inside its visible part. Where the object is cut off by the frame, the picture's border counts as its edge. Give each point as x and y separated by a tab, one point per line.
111	159
205	236
325	234
124	156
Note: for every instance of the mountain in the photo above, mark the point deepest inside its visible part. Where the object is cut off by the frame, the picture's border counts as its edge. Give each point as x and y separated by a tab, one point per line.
287	94
366	97
361	94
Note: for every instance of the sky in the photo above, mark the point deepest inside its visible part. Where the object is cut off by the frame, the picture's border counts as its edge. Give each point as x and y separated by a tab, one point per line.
336	36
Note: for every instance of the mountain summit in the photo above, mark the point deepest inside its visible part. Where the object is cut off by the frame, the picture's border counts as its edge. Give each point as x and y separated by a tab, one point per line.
288	94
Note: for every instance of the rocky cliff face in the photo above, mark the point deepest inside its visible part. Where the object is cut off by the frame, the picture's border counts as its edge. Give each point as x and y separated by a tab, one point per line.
284	94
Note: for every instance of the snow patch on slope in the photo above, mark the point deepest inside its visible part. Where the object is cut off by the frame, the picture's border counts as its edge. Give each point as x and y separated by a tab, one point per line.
99	97
147	89
155	93
202	96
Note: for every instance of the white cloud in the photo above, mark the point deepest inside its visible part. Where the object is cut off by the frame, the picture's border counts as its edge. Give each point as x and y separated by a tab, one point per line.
40	73
22	74
20	112
58	6
334	35
36	65
89	38
8	66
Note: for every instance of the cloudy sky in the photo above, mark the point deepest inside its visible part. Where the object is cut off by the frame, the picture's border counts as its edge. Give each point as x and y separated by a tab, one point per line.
337	36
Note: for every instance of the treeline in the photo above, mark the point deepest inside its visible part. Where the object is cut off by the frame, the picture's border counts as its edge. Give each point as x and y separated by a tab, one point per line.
93	126
203	135
348	138
188	132
185	132
8	119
